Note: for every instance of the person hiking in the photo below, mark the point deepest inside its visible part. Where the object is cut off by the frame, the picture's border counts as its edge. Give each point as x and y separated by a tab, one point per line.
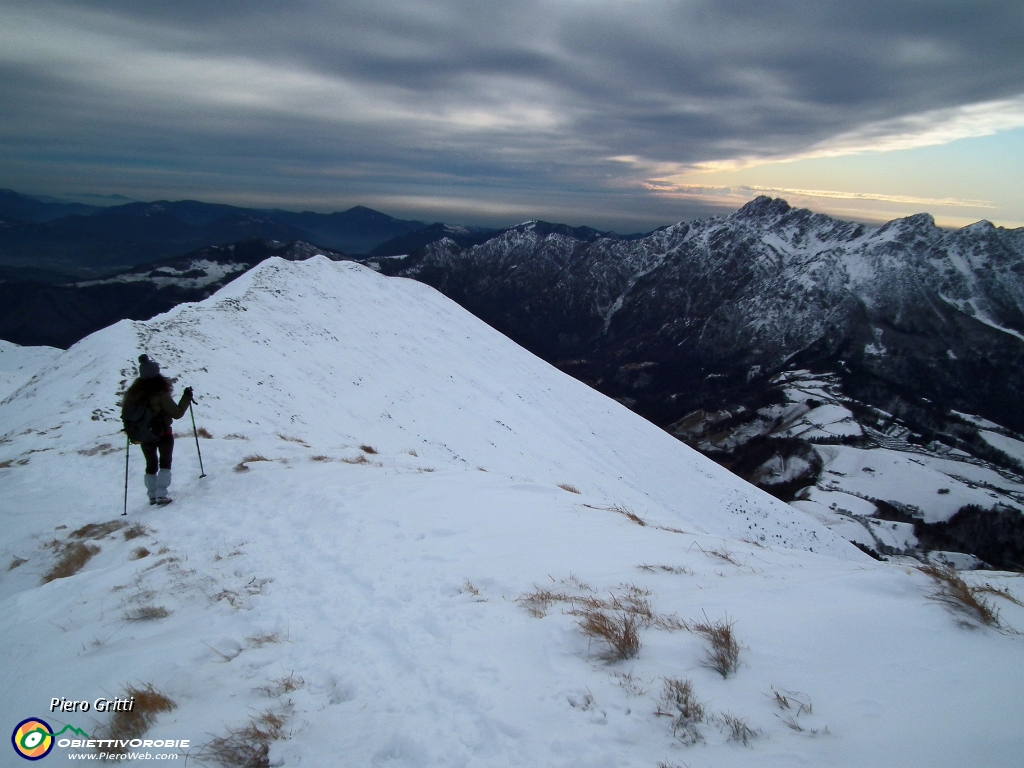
147	412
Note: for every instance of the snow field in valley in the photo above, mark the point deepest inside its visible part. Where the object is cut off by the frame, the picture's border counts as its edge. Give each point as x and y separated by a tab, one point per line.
371	598
916	480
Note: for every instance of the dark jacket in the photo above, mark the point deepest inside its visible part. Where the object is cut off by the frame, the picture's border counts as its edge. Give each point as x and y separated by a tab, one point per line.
167	410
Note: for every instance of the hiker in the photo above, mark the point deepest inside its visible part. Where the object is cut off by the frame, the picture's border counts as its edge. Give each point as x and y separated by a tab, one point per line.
147	412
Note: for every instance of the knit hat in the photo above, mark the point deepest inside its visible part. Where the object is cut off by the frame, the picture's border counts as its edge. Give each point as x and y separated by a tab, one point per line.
147	368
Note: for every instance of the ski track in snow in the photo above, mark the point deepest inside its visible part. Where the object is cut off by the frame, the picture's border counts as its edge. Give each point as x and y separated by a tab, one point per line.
389	586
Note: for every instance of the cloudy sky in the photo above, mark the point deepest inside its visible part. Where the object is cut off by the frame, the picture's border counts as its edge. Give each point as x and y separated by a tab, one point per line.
623	114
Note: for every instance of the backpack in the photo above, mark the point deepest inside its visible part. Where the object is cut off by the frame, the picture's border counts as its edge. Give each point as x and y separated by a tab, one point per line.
138	422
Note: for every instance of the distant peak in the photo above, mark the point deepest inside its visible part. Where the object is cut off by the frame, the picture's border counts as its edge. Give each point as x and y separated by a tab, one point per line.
919	220
980	226
763	205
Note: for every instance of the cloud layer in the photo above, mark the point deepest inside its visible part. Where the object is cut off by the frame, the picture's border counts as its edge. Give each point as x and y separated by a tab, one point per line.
521	103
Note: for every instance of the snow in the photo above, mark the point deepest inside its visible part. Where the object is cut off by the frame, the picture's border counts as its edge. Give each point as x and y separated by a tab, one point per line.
976	420
171	276
384	583
19	364
825	421
1012	448
915	480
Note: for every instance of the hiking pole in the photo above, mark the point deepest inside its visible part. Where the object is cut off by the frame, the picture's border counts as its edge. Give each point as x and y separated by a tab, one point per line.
196	435
127	452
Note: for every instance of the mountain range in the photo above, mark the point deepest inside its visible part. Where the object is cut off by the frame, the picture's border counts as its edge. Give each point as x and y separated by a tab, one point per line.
91	241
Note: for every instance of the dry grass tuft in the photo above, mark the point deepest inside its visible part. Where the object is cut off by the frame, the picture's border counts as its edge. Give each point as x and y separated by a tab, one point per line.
961	597
569	488
98	530
125	726
721	554
469	589
140	552
147	613
737	728
620	632
247	747
368	449
282	685
988	589
135	530
541	599
629	684
724	653
676	569
16	562
241	466
360	459
235	436
71	560
320	457
622	510
204	433
679	702
290	439
629	513
262	638
630	600
788	699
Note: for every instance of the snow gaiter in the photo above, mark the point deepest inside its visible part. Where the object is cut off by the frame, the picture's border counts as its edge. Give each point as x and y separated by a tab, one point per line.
163	482
151	482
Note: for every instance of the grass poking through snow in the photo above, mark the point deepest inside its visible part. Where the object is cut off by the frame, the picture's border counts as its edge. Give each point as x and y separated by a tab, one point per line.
128	725
959	596
620	632
95	531
71	560
247	747
737	728
679	702
147	613
724	651
135	530
242	466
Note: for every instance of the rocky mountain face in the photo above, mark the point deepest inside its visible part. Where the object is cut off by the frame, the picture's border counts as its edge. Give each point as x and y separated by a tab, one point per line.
670	321
910	324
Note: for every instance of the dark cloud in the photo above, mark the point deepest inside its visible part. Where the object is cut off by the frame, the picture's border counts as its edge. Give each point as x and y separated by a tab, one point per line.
520	102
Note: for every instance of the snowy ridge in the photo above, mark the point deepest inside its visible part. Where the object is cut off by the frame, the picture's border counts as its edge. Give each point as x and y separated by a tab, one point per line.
284	329
387	478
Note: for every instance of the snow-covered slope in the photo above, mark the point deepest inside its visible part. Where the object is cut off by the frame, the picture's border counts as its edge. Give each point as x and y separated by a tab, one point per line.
386	476
19	364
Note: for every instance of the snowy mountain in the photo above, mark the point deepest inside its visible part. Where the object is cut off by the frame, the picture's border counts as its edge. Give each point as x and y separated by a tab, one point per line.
408	529
715	304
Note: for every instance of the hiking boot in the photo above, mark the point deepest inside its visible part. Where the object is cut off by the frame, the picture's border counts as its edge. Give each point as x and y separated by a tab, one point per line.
161	500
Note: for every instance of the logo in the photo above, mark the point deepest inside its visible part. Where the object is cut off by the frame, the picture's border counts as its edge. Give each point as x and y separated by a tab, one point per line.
33	739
